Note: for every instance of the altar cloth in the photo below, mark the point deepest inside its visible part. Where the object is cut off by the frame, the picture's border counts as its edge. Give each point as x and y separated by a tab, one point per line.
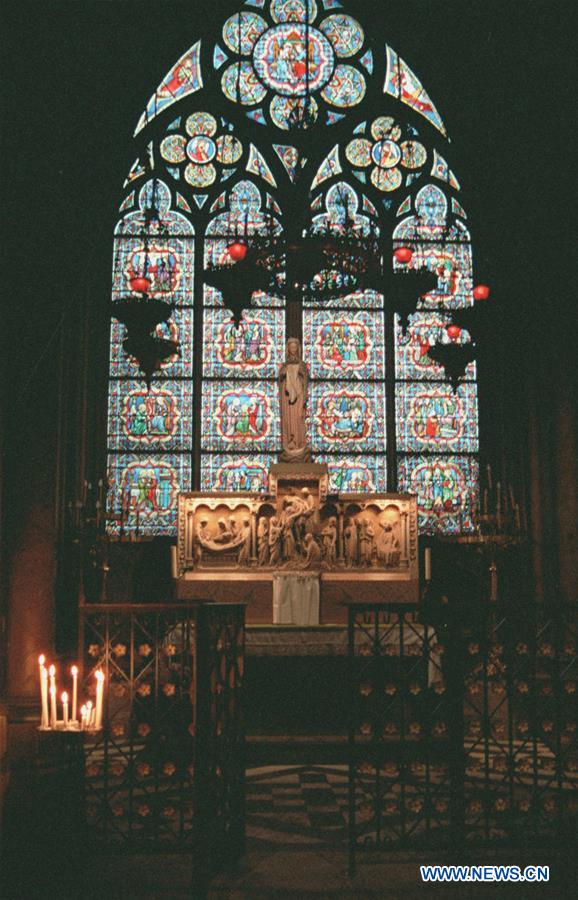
295	599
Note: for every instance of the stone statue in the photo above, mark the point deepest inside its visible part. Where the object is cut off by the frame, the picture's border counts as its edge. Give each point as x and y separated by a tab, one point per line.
350	541
365	535
389	550
329	539
263	541
312	552
293	382
245	551
275	530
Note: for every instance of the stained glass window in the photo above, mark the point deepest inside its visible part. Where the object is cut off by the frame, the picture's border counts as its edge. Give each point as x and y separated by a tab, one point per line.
211	418
240	401
150	433
344	346
437	427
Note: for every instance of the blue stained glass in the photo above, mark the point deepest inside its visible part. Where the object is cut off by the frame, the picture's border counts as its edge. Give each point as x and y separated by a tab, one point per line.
446	488
344	344
347	417
225	472
179	328
445	251
143	492
240	416
432	417
345	34
159	419
355	474
411	356
254	349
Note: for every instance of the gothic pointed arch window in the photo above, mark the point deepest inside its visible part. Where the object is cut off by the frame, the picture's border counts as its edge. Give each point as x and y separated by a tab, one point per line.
292	121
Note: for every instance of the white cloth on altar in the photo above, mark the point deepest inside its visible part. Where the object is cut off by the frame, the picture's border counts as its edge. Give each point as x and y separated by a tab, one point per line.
295	599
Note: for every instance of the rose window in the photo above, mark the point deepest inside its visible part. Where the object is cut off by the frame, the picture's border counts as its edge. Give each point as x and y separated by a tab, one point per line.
386	154
201	152
288	64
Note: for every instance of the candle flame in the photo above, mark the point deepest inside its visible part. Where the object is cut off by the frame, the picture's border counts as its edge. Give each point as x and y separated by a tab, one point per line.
89	705
41	659
64	697
99	675
52	671
83	710
52	691
74	670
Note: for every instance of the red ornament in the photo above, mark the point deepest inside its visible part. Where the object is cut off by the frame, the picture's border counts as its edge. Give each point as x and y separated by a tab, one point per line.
481	292
237	251
141	284
403	254
453	331
424	348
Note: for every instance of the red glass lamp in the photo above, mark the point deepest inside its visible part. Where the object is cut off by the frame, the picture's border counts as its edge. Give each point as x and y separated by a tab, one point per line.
237	251
453	331
481	292
140	284
403	255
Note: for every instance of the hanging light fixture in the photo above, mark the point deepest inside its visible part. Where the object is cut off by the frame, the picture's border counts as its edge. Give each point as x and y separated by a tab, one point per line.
237	250
453	331
403	255
481	292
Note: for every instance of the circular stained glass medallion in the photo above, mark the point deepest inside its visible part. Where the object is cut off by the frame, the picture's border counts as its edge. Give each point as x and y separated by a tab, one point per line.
173	148
242	39
282	108
358	152
240	84
346	88
200	176
386	154
201	123
413	154
284	63
292	10
346	35
201	149
386	179
229	149
384	127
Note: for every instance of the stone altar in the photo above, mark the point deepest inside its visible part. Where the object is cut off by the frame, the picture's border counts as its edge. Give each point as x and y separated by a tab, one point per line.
356	547
362	546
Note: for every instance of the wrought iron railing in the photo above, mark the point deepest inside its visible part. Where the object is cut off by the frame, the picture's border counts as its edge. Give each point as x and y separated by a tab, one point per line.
167	769
463	733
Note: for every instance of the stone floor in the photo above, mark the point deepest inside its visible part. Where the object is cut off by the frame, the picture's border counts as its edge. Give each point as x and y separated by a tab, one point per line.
296	848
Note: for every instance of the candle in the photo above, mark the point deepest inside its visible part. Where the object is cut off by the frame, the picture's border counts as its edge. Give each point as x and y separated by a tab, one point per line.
485	501
74	671
489	471
44	721
89	714
65	709
99	675
427	563
52	706
52	673
493	582
82	718
174	565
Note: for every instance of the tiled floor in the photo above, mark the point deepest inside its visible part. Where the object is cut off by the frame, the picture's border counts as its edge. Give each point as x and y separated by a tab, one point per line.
296	806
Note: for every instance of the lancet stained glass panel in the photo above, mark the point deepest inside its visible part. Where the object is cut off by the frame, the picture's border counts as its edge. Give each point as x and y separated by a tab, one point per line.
446	488
155	419
432	417
230	472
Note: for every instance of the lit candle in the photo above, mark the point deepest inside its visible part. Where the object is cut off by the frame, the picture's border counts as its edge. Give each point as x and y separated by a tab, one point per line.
74	671
82	718
44	721
89	714
489	471
99	675
427	563
174	567
52	706
65	709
